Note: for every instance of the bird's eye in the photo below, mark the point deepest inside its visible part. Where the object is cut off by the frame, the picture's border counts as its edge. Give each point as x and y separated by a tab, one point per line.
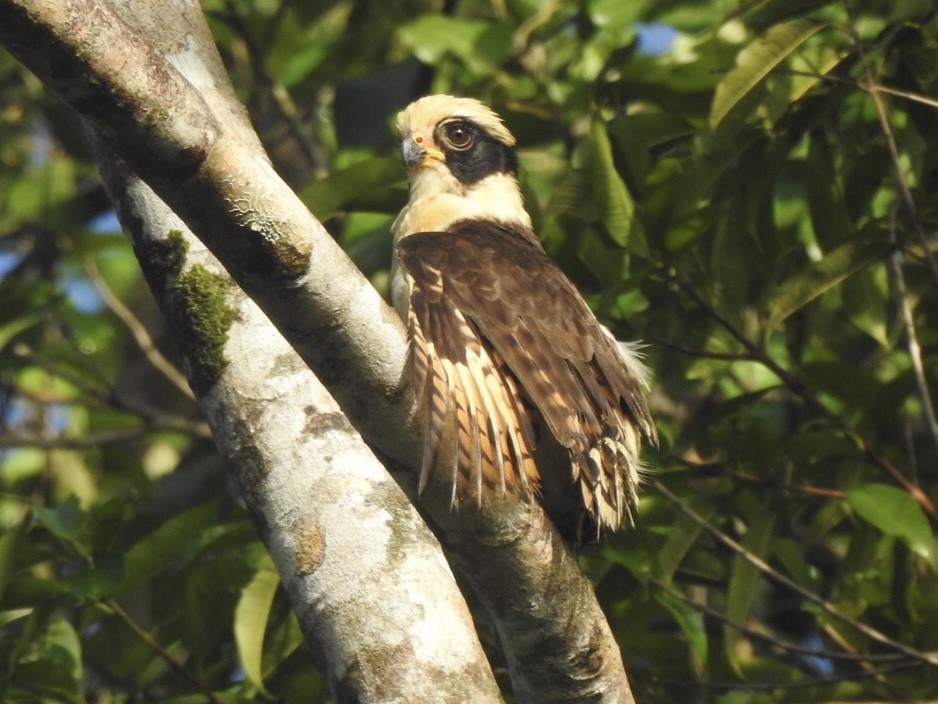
458	135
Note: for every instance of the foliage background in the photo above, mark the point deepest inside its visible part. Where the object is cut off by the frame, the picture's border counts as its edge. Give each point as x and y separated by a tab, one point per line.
746	186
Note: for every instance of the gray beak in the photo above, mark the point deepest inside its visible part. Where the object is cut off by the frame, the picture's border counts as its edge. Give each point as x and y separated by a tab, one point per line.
412	153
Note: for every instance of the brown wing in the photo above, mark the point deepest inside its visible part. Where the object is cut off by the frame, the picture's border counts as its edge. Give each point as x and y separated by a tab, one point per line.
498	333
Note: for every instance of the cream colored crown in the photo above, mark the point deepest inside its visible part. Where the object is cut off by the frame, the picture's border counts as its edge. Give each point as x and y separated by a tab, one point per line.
426	113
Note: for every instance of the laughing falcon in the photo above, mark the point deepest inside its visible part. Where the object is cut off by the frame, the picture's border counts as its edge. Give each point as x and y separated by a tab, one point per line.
522	392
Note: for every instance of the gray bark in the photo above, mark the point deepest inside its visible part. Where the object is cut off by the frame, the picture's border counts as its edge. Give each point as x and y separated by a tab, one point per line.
346	540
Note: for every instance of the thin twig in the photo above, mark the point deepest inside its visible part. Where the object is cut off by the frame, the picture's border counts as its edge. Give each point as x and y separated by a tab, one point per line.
772	639
803	489
775	686
803	391
82	442
138	330
847	81
155	646
914	97
95	397
784	581
912	343
875	92
698	353
715	468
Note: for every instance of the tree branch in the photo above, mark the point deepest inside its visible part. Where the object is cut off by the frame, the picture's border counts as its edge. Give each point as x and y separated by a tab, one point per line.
807	595
345	539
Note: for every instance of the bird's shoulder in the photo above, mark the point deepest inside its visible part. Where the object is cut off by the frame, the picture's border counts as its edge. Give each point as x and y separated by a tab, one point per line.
488	259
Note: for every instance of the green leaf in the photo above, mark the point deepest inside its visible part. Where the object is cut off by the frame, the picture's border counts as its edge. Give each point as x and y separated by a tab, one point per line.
755	62
615	13
8	543
38	193
250	620
895	513
213	588
829	215
342	188
594	192
691	622
157	550
481	46
97	583
744	580
802	288
613	198
844	381
51	663
67	523
9	330
681	538
866	297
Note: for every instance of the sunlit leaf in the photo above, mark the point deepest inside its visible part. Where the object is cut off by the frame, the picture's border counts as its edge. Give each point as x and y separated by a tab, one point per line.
756	61
481	46
250	622
895	513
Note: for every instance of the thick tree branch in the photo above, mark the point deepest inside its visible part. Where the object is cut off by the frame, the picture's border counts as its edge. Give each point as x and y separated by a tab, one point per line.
345	539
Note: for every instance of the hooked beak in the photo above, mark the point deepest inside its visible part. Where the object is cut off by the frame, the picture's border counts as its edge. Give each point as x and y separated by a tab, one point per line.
417	156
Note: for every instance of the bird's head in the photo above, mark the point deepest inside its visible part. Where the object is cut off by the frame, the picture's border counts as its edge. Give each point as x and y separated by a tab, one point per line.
461	165
456	138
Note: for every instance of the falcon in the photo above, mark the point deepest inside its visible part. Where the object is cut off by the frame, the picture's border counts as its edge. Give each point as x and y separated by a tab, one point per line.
521	391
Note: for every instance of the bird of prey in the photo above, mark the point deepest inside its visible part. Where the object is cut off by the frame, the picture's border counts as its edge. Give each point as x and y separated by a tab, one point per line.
522	392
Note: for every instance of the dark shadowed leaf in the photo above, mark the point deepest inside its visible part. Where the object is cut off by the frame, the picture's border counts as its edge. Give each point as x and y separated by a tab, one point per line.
805	286
156	551
8	542
744	581
690	621
351	186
